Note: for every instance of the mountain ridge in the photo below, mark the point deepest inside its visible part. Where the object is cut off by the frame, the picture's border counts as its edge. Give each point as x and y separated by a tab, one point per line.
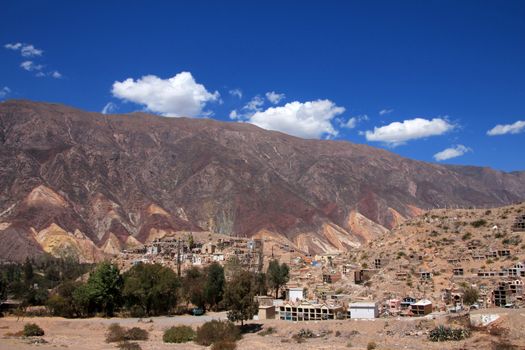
207	175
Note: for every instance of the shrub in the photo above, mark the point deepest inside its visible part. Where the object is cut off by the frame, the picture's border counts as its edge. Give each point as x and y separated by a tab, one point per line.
215	331
178	334
478	223
371	346
443	333
126	345
224	345
115	333
466	236
337	333
136	333
32	330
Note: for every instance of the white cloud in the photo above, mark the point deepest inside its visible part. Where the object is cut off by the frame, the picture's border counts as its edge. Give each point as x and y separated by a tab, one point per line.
385	111
515	128
234	115
398	133
56	74
15	46
236	93
31	66
353	121
109	108
26	50
30	51
4	91
177	96
254	104
311	119
274	97
451	152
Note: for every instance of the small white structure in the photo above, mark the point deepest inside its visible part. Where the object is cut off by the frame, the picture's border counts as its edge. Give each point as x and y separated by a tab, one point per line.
295	294
218	257
363	310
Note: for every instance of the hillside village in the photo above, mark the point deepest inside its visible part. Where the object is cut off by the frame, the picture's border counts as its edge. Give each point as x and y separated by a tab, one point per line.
424	265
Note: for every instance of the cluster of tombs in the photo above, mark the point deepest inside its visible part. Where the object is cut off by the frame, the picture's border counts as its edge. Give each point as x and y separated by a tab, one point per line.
184	253
337	307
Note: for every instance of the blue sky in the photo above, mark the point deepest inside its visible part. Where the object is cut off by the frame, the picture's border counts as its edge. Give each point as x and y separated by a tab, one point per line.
443	73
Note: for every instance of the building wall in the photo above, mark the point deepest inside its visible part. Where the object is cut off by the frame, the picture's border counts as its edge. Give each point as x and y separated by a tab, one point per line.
295	295
363	313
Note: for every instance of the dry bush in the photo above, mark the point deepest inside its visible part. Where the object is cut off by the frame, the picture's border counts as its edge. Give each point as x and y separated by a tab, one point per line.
178	334
32	330
115	333
136	333
216	331
126	345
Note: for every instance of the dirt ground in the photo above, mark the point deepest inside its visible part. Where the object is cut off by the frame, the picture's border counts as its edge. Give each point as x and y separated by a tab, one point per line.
408	333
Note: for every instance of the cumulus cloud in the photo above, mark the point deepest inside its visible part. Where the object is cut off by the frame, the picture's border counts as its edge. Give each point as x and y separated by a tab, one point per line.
385	111
15	46
177	96
56	74
311	119
30	51
109	108
4	91
274	97
451	152
353	121
254	105
503	129
398	133
236	93
31	66
26	50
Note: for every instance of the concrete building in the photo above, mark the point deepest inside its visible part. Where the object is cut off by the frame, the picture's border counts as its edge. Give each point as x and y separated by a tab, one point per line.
266	312
306	311
363	310
394	305
407	302
295	294
421	308
519	224
459	271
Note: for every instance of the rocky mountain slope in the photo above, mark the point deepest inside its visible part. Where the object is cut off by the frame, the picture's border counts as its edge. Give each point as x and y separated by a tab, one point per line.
88	184
437	243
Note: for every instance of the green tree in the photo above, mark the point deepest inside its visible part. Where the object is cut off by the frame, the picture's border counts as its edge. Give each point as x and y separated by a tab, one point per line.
152	287
193	287
3	288
28	271
278	275
104	288
261	285
239	297
214	287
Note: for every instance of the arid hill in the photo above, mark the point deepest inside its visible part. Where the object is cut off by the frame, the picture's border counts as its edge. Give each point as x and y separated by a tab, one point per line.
88	184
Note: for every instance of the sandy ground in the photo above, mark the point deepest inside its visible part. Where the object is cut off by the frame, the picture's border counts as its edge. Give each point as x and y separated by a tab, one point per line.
410	333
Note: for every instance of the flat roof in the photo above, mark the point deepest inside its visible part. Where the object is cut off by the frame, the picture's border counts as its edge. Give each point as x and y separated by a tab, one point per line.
363	304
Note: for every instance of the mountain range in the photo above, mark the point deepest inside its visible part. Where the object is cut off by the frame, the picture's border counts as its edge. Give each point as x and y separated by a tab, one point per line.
89	184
